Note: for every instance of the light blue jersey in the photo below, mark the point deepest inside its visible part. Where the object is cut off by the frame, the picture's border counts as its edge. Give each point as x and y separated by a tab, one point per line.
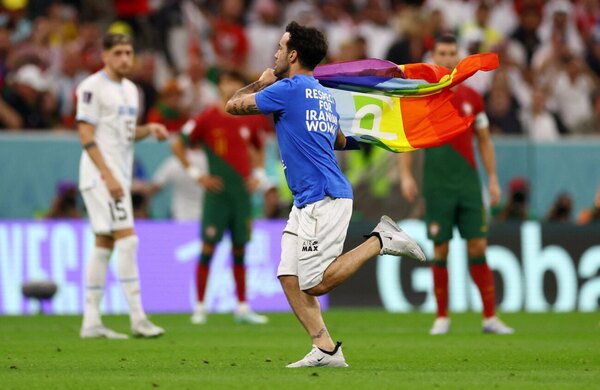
306	122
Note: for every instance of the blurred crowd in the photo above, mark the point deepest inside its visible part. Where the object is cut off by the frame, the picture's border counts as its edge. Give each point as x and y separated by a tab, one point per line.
546	87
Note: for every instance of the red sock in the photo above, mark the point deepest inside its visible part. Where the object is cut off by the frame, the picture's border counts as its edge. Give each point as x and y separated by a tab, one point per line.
201	280
484	279
440	286
239	274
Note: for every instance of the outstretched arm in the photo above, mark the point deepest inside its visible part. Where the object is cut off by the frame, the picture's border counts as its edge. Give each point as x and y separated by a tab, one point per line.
243	102
158	130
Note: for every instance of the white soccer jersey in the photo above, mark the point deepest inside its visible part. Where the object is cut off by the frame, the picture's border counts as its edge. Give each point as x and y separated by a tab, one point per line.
187	195
112	108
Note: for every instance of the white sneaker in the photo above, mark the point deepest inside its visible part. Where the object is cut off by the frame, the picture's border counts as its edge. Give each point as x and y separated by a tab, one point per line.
245	315
318	358
441	325
199	317
395	241
494	325
101	331
145	328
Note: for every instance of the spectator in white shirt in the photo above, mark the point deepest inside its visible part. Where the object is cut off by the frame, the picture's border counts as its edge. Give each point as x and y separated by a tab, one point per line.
376	29
572	91
198	92
263	35
538	123
187	196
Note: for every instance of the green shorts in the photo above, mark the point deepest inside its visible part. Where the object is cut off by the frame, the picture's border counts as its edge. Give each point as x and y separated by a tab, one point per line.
228	210
448	208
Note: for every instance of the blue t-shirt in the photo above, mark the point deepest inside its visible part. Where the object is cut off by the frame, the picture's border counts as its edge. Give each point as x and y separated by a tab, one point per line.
306	122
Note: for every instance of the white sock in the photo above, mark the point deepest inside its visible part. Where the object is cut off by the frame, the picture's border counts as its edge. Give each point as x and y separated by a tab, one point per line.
127	270
95	278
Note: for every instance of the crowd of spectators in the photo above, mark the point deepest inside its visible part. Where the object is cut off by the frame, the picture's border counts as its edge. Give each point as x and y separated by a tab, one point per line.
546	87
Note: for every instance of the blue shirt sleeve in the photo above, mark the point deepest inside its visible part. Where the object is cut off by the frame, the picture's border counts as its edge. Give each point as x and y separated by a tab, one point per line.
273	98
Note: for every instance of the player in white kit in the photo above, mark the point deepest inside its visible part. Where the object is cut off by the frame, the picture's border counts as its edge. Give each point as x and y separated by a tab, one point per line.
107	113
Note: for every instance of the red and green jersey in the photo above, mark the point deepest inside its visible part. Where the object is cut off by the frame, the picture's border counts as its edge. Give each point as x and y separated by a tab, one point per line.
172	119
228	137
453	165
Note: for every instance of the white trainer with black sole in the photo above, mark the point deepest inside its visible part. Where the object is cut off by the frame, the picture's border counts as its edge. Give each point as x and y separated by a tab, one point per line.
318	358
493	325
101	332
145	328
395	241
441	325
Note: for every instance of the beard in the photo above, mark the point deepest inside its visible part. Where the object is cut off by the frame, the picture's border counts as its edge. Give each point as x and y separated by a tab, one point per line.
282	72
122	71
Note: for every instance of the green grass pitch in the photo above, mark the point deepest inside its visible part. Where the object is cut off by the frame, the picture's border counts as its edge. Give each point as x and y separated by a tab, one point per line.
385	351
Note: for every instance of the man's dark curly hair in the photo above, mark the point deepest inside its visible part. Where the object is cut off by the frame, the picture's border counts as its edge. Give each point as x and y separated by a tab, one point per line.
309	43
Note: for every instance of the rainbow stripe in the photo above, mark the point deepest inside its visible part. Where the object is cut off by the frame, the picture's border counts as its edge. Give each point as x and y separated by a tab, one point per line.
400	107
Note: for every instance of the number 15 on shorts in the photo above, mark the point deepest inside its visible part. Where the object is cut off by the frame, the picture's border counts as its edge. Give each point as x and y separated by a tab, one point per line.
117	210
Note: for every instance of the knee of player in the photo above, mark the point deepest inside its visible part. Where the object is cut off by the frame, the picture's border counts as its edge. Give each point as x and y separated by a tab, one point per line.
318	290
208	248
127	243
239	251
476	247
440	250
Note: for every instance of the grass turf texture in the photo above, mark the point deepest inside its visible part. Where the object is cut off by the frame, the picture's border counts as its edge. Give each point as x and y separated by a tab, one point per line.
549	351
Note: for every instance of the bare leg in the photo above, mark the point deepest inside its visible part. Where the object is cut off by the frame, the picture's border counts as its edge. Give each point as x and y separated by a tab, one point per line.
105	241
346	265
308	311
476	247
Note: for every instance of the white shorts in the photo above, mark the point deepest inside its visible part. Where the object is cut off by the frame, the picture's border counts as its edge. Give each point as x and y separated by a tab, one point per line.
107	214
313	238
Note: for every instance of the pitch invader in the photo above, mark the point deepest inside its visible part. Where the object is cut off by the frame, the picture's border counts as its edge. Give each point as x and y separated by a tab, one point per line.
107	113
452	192
234	148
312	262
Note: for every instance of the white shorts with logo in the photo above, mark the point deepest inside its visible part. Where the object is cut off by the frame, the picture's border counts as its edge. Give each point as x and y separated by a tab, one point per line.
107	214
313	238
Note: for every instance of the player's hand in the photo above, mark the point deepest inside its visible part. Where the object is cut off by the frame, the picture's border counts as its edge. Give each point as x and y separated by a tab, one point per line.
409	188
114	187
158	131
211	183
268	77
495	191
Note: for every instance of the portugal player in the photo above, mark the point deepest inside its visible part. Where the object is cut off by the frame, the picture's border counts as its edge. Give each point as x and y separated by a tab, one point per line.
231	144
452	192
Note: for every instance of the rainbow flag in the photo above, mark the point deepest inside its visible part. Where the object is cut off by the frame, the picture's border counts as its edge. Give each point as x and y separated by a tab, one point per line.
400	107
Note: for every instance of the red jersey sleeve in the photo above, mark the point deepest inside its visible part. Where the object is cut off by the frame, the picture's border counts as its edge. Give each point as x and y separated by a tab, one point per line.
260	128
477	102
193	129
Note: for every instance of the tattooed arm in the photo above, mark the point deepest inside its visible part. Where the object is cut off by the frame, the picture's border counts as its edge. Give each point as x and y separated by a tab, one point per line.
243	102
